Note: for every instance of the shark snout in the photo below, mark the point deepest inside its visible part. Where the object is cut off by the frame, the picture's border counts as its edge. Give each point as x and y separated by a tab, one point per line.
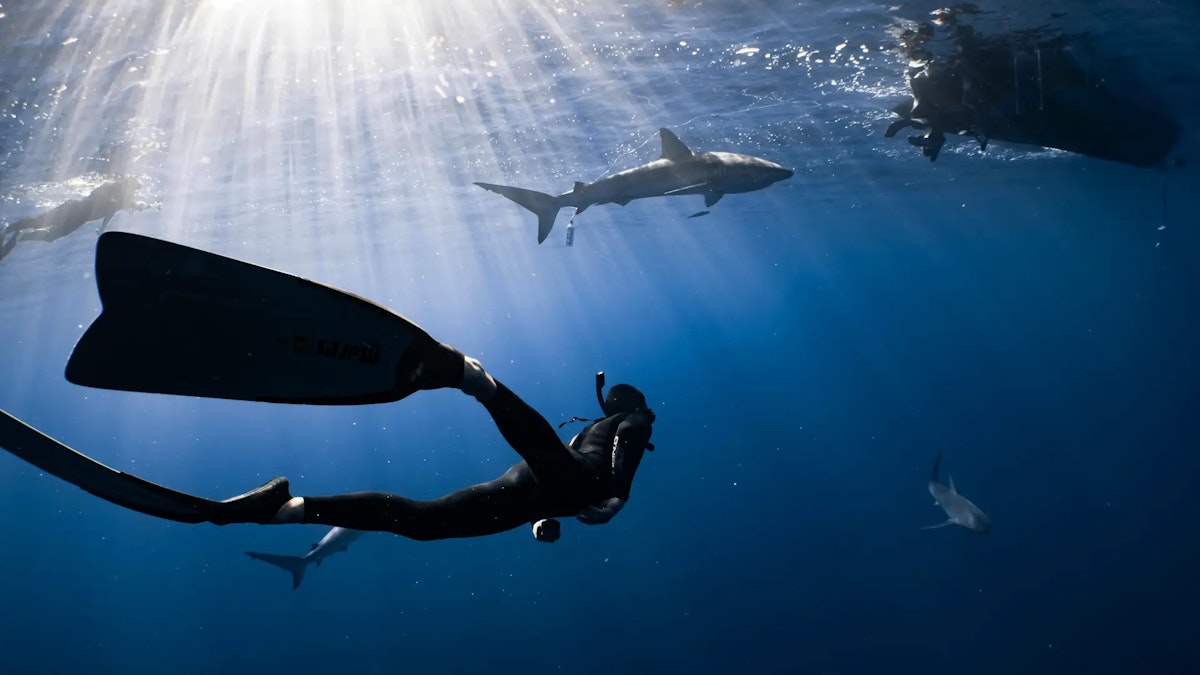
764	173
781	173
980	523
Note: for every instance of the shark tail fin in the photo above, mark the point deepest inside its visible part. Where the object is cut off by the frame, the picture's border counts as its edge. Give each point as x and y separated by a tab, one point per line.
294	564
544	206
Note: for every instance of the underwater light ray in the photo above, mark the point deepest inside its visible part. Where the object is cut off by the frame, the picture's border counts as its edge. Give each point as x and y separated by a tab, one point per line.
372	119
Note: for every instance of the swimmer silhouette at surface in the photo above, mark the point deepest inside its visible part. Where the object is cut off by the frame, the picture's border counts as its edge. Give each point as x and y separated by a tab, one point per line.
101	204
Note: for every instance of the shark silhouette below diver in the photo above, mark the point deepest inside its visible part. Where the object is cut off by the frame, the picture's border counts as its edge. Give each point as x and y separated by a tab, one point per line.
336	540
959	510
679	171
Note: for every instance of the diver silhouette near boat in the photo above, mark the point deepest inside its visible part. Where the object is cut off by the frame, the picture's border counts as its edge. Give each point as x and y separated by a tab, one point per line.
1024	88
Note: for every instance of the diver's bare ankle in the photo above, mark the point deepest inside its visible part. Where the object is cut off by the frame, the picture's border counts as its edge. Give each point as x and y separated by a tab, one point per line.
476	380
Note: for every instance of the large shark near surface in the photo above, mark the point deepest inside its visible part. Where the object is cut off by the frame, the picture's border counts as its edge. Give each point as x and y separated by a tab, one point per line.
959	510
679	171
336	540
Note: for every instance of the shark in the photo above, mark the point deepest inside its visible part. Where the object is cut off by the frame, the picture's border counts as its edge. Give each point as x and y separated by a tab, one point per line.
679	171
959	510
336	540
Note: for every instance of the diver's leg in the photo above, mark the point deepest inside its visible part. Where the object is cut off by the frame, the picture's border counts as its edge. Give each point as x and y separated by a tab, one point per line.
38	234
534	439
437	365
488	508
7	244
56	223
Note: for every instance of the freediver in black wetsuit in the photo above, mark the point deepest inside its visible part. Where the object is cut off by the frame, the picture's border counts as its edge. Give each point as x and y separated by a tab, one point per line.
588	478
103	203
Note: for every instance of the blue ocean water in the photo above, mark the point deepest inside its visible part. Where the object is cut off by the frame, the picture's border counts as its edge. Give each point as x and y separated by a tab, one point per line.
808	348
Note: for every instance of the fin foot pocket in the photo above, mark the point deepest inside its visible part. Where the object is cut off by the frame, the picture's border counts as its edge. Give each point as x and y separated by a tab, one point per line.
256	506
429	364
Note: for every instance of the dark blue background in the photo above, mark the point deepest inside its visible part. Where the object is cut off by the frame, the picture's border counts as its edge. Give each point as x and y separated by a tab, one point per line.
808	350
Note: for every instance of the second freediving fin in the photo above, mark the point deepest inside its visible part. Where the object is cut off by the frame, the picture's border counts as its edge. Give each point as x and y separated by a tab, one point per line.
109	484
178	320
123	489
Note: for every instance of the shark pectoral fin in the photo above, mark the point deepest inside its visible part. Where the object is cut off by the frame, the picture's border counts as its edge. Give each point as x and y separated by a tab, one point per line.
578	187
622	202
712	197
673	148
687	189
934	527
952	488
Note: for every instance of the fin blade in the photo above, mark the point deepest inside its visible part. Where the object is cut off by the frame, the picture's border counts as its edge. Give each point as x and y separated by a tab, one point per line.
934	527
712	197
91	476
178	320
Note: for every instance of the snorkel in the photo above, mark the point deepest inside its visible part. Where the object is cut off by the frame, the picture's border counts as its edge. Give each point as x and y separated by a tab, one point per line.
599	388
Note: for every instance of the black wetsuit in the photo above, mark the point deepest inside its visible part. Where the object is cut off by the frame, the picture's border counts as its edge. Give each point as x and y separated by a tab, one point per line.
553	480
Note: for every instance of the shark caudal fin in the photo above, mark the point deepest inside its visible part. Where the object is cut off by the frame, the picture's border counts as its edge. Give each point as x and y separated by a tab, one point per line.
294	564
544	206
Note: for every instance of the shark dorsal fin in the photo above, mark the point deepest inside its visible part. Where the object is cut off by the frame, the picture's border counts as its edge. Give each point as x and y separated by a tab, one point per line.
578	186
673	148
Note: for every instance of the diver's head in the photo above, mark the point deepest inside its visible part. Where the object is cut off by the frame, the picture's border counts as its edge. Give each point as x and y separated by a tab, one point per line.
623	398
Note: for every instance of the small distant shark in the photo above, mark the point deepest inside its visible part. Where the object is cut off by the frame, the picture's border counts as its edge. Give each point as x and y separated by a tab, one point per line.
959	509
335	541
678	172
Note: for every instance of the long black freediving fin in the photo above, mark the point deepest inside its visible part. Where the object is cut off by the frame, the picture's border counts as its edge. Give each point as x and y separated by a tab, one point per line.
178	320
109	484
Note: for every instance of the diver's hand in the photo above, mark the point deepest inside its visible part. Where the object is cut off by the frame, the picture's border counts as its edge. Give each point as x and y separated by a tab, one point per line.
598	514
547	530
